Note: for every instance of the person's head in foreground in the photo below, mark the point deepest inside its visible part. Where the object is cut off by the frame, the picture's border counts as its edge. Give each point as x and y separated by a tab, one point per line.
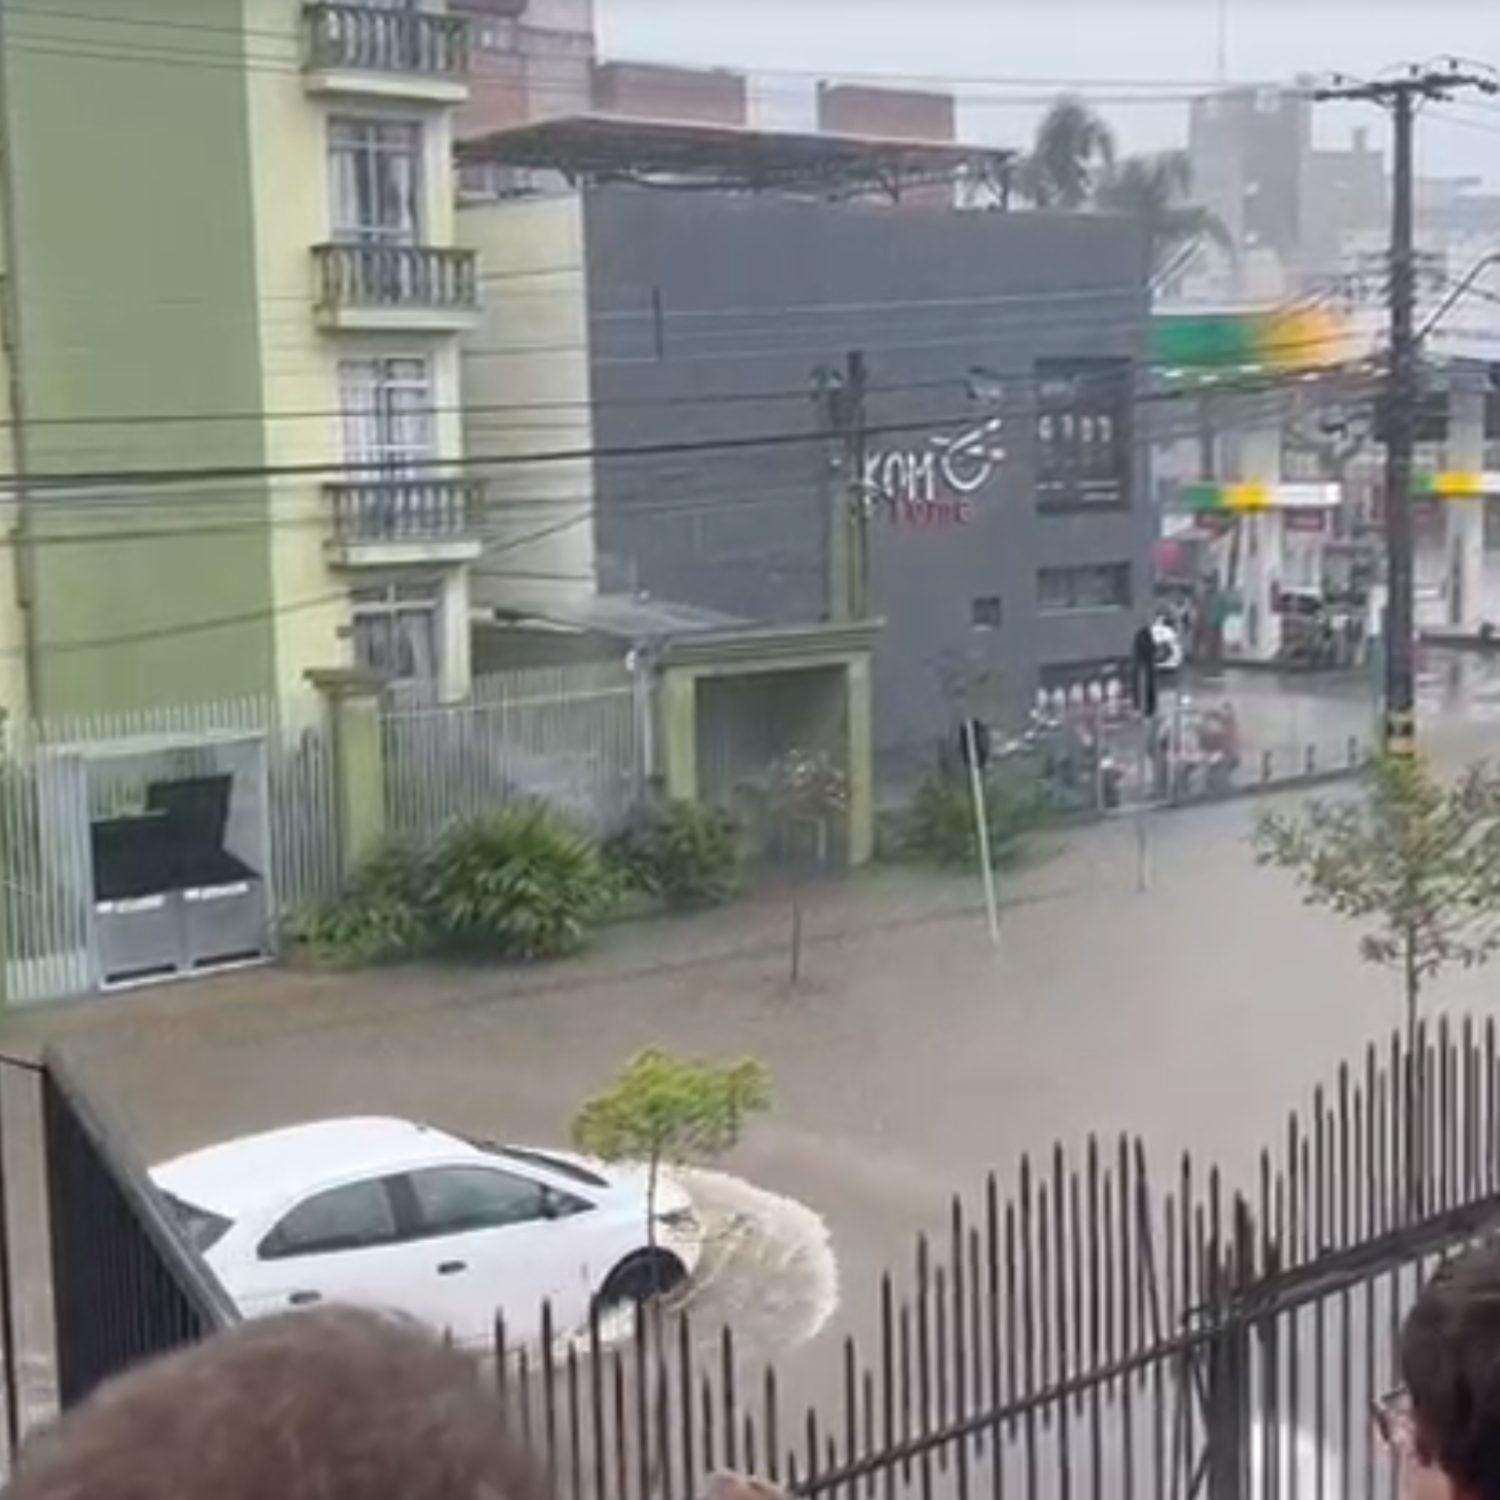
335	1405
327	1405
1445	1421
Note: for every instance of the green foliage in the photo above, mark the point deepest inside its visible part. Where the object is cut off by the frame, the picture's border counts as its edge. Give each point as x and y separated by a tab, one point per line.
938	825
1074	149
523	884
1156	190
380	918
807	784
520	884
663	1108
1073	165
1416	860
679	852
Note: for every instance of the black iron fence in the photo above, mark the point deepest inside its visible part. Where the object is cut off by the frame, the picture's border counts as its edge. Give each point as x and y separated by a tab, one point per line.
124	1284
1097	1332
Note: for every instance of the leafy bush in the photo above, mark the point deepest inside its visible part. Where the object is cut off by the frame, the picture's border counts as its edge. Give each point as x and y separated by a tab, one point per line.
679	852
523	883
938	826
380	918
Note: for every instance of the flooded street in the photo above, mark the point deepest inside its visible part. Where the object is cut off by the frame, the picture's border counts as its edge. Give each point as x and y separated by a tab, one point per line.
912	1060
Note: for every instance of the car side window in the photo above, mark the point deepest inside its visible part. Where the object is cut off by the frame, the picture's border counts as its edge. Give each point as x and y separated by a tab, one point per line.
355	1217
454	1200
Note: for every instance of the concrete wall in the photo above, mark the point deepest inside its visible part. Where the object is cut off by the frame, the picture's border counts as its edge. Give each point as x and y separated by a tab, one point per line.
754	294
527	390
136	283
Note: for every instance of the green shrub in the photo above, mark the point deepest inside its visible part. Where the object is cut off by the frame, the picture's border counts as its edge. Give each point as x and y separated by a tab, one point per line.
521	884
380	918
679	852
938	826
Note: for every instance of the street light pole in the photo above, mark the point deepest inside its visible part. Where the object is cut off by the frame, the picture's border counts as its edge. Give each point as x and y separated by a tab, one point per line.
1403	389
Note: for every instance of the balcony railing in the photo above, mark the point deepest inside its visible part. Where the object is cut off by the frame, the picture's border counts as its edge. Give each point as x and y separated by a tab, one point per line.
371	39
404	510
397	276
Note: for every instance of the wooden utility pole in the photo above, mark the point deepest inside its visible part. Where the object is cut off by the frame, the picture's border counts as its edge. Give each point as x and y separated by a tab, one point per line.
1401	96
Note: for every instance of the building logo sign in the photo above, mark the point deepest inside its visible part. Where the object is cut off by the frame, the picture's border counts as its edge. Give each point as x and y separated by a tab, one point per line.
933	486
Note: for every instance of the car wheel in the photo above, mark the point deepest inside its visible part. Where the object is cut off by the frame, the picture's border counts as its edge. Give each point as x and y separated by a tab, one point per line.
640	1277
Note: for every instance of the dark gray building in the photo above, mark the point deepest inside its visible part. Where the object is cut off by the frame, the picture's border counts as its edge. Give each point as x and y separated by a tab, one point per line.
1009	526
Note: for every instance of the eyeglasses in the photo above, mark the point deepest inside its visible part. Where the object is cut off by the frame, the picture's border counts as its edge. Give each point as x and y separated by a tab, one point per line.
1395	1421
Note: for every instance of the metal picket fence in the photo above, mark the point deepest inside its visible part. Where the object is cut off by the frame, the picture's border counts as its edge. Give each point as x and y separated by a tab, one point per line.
1098	1331
573	737
53	775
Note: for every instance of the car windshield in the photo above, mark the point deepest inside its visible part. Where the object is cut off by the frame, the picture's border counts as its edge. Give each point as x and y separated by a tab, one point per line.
202	1229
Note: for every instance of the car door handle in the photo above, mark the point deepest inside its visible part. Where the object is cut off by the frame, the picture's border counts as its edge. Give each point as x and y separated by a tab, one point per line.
304	1299
451	1268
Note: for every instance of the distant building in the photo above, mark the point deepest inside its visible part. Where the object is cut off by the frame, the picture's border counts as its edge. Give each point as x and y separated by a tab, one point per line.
654	91
531	59
1009	529
904	114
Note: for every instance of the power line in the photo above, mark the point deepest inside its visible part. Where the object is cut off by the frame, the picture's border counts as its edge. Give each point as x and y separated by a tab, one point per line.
1401	95
141	478
799	495
1132	89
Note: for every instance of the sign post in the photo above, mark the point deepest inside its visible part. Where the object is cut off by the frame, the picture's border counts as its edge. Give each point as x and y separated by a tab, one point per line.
976	748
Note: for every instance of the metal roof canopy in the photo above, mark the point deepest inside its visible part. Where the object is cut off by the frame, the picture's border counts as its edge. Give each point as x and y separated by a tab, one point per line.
661	153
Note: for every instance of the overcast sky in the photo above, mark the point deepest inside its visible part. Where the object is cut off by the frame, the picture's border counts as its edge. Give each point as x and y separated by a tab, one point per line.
993	49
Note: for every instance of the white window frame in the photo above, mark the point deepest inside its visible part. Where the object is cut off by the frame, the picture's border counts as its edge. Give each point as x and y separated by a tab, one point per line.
397	630
372	200
389	415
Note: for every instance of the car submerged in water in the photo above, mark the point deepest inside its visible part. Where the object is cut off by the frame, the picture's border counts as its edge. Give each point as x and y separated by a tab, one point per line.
451	1231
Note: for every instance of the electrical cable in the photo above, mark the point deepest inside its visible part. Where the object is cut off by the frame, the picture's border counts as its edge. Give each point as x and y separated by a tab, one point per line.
37	484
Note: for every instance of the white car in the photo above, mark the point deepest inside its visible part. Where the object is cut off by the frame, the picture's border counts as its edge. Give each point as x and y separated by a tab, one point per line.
451	1231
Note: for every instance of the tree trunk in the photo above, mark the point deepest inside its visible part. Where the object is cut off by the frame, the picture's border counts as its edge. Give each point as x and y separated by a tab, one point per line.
1415	1147
653	1173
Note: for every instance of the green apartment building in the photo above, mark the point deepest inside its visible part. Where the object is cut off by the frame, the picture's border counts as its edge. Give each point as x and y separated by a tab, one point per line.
232	304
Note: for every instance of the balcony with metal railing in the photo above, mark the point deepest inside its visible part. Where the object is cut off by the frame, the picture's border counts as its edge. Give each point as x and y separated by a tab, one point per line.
380	522
387	288
394	52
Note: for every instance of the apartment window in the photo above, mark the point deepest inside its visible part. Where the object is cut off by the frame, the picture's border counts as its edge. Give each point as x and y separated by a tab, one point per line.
1083	448
398	631
375	172
388	414
1065	591
985	612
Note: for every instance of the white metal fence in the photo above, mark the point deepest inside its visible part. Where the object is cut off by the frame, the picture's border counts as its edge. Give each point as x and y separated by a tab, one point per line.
51	776
574	737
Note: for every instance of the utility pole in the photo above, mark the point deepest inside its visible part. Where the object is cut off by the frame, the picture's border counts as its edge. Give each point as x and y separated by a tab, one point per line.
857	514
840	396
1403	384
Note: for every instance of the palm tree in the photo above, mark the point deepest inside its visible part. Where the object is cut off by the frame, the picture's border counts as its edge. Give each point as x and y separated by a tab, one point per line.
1156	190
1073	153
